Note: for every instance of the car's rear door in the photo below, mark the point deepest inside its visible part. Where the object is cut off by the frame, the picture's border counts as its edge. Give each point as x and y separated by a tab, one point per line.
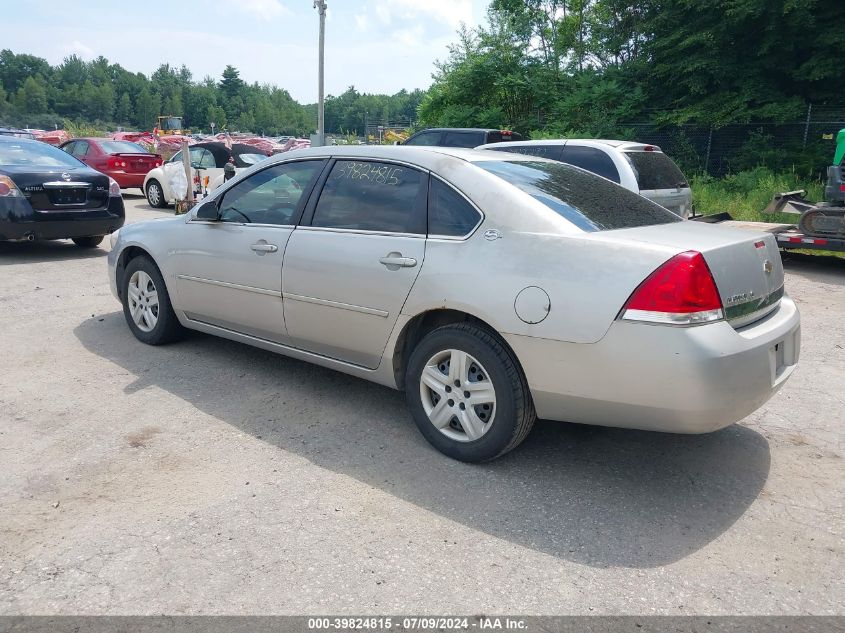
351	264
229	272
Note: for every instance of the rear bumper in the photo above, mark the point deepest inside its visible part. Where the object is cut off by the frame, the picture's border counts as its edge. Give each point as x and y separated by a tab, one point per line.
661	378
22	222
127	180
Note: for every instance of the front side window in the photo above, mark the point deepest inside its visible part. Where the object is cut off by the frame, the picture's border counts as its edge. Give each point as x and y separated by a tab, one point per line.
424	138
587	201
372	196
201	158
591	159
448	211
271	196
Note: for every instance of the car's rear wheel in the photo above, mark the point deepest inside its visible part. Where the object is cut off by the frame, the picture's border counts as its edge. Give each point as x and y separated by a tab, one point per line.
155	194
467	393
146	304
88	242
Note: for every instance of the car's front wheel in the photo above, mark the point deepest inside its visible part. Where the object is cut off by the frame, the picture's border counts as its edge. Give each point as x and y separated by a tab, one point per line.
155	194
467	393
146	304
88	242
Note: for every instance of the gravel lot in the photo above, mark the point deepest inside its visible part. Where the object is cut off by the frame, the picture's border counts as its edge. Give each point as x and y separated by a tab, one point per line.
209	477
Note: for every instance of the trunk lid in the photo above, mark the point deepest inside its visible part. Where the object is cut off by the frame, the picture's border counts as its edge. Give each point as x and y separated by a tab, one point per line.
137	163
746	265
58	189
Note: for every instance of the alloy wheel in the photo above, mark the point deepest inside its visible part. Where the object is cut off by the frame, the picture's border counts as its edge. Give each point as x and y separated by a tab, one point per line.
154	194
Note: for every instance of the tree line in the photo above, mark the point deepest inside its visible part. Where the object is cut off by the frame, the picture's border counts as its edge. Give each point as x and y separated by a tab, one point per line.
103	95
590	66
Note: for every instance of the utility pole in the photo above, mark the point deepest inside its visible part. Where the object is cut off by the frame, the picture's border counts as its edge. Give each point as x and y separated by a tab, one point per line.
320	5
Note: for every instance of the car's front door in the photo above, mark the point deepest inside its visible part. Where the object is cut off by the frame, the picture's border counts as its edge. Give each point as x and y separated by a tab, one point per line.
350	266
229	272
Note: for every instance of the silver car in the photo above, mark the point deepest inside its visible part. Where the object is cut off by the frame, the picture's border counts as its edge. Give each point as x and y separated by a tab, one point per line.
492	288
638	167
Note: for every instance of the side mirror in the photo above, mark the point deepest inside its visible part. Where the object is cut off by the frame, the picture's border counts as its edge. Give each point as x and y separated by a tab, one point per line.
208	211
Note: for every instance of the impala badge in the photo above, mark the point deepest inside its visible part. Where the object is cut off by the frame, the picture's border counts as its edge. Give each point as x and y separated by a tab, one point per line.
768	267
65	176
492	235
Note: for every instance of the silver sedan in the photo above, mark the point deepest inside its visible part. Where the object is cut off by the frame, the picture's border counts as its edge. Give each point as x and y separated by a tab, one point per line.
492	288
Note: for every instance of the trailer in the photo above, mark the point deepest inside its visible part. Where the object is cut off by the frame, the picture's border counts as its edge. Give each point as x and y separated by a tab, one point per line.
788	236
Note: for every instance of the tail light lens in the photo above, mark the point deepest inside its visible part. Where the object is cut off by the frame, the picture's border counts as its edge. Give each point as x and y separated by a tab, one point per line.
114	188
8	188
681	292
116	163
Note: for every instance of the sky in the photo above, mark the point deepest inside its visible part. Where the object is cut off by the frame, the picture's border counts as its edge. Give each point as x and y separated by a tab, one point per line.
379	46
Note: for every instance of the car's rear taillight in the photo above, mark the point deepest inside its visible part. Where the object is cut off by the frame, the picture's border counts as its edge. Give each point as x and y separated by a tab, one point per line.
8	188
681	292
116	163
114	188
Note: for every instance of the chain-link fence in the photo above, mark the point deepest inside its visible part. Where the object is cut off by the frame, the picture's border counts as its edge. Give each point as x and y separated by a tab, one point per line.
806	146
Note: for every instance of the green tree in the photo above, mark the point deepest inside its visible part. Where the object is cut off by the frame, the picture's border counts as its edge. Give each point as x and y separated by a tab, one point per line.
231	84
31	97
123	112
216	115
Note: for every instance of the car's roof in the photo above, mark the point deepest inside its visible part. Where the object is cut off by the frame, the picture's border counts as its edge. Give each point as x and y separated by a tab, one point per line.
588	142
463	129
425	156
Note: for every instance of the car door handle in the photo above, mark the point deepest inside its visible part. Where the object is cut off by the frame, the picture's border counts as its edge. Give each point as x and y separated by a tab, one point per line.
396	260
263	247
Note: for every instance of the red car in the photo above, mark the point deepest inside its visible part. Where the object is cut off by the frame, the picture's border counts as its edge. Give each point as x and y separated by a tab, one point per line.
126	162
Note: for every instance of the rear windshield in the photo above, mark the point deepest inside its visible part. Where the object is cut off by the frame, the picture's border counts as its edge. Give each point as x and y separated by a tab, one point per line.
590	202
35	153
655	170
121	147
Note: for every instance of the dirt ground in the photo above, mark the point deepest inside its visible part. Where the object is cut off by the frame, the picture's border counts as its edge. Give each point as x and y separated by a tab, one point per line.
208	477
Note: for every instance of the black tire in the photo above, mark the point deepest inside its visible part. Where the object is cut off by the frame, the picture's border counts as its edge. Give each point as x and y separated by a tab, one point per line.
88	242
156	201
514	409
167	327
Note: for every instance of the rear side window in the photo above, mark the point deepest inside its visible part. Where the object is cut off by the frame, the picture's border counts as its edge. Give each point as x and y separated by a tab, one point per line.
462	139
372	196
80	149
543	151
655	170
587	201
425	138
448	211
591	159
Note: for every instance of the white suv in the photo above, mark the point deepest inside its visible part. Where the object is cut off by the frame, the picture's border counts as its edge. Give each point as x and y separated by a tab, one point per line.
641	168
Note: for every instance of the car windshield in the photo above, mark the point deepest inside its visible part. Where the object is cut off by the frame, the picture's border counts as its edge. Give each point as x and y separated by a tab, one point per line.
251	159
655	170
35	153
590	202
121	147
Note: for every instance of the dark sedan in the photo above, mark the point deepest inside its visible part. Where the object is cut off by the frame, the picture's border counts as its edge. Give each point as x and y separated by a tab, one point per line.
47	194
